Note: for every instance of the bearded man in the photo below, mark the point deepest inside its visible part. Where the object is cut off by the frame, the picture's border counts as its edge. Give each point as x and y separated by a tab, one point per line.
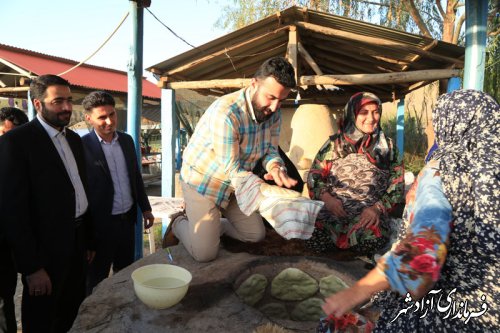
237	131
43	208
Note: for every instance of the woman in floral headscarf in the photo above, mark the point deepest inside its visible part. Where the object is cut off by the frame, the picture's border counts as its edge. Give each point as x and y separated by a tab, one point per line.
443	272
358	176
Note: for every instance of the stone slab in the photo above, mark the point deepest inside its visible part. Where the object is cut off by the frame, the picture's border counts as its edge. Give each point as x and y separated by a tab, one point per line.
210	305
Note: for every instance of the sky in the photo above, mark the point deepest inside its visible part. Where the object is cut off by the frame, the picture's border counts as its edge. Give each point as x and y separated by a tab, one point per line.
74	29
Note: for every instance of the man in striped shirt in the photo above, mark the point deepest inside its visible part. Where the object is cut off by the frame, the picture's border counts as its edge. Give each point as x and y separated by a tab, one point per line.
236	132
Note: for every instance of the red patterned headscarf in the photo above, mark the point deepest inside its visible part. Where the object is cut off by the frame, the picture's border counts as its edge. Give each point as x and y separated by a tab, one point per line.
375	145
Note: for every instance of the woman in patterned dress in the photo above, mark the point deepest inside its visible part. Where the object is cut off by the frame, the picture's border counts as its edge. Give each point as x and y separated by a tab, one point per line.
442	275
358	176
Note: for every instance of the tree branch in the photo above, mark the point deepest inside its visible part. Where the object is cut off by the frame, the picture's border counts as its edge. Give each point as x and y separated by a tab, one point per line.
440	8
458	27
415	14
374	3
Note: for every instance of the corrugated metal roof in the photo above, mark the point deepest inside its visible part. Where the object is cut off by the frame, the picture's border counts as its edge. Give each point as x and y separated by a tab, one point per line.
86	76
352	48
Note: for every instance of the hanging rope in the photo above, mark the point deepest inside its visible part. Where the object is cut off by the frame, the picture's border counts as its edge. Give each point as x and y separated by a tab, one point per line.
173	32
98	49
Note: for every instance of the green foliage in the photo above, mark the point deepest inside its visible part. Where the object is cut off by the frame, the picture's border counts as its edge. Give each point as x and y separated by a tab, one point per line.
390	13
415	148
492	68
245	12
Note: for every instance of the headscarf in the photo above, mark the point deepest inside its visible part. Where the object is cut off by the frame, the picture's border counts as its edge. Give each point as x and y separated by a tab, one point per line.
374	145
466	123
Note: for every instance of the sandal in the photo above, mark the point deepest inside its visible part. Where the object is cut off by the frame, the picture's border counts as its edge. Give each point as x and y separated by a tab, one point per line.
169	238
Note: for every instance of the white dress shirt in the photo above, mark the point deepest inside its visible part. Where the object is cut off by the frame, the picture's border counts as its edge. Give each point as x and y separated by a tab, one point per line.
122	199
68	159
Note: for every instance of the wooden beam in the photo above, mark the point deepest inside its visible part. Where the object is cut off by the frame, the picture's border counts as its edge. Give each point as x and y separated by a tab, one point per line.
307	57
210	84
361	55
221	52
312	80
376	42
385	78
418	56
292	50
14	89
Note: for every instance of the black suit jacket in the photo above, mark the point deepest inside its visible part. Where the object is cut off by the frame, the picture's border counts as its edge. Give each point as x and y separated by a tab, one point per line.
37	198
100	183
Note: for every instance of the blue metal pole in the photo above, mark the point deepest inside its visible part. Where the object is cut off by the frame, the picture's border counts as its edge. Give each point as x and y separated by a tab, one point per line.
400	127
454	83
31	108
169	126
475	43
134	102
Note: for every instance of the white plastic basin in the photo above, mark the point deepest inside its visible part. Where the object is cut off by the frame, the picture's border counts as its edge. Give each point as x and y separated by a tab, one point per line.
161	286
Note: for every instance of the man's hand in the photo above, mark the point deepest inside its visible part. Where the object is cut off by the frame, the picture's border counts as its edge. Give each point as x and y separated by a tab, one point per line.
280	177
370	216
39	283
333	205
149	219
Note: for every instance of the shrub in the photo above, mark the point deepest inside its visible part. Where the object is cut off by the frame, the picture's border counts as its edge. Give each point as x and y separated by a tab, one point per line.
415	142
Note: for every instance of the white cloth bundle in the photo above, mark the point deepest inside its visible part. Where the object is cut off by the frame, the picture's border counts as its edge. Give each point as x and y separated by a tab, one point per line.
291	215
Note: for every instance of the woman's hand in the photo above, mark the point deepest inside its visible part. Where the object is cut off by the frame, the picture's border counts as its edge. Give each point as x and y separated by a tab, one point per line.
347	299
344	301
333	205
370	216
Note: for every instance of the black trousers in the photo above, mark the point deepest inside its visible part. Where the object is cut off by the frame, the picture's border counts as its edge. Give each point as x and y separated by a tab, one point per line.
56	313
8	282
115	249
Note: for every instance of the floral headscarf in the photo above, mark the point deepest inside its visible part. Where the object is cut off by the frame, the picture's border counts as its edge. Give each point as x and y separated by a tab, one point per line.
373	145
467	123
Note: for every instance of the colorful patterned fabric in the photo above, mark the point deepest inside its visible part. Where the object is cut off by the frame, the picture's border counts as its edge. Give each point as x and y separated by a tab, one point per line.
358	183
228	141
349	322
450	249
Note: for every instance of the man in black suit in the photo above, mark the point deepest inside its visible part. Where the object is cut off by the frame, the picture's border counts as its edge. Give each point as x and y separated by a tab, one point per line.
43	208
10	118
116	188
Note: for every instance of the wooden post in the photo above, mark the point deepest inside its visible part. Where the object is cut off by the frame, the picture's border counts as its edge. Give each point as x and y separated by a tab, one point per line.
292	50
